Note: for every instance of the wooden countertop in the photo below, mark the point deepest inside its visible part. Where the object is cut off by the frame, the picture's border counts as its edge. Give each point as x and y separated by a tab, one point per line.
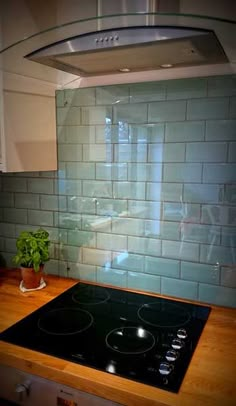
209	380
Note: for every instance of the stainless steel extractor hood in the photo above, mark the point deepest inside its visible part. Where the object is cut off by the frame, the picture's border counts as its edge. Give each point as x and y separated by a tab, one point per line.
131	50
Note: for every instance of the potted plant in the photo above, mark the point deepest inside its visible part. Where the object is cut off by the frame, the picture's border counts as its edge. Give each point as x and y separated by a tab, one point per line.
32	253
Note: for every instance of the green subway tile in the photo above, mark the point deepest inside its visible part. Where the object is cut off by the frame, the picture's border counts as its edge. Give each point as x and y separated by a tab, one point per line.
7	230
154	191
146	133
68	187
82	271
219	173
56	235
14	184
220	130
7	199
146	92
81	238
169	230
0	183
61	173
27	200
129	190
111	171
201	193
211	254
96	115
166	111
69	152
112	94
40	186
232	151
96	257
171	192
68	115
130	113
22	227
112	133
69	253
230	194
185	131
206	152
173	152
181	250
145	172
200	273
128	262
81	205
221	86
2	248
111	242
152	228
97	188
51	267
111	207
210	108
60	100
155	152
75	170
179	288
228	237
7	259
186	88
162	266
40	217
130	153
182	172
80	97
216	214
144	282
96	223
142	209
79	134
47	174
97	152
53	202
10	245
219	295
128	226
27	174
200	233
232	107
181	211
15	215
68	220
228	277
114	277
145	246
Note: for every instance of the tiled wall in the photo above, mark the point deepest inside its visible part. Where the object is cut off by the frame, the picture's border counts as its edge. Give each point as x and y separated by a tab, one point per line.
146	189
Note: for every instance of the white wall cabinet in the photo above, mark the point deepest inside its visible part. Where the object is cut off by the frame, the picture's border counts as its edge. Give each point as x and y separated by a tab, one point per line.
28	125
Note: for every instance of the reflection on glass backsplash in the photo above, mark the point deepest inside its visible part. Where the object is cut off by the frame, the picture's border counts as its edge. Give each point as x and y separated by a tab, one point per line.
154	206
145	193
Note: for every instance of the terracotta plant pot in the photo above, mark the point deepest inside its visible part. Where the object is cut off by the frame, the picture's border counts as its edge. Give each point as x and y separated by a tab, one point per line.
31	279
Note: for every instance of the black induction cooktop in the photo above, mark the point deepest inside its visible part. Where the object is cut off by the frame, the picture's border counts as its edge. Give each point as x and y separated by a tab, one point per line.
136	336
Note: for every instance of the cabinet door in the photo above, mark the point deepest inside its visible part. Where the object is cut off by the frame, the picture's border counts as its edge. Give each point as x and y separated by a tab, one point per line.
29	132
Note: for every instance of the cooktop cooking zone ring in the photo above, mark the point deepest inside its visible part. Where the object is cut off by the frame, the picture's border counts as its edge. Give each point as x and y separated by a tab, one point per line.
163	314
130	340
65	321
90	295
140	337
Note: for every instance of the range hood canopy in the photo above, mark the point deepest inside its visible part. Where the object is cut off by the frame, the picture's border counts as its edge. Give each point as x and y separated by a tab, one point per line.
132	49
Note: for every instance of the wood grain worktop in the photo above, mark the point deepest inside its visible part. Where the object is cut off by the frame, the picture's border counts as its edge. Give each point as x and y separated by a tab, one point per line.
209	381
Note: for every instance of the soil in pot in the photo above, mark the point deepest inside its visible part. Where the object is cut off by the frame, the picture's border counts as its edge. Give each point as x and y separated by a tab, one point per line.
31	279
